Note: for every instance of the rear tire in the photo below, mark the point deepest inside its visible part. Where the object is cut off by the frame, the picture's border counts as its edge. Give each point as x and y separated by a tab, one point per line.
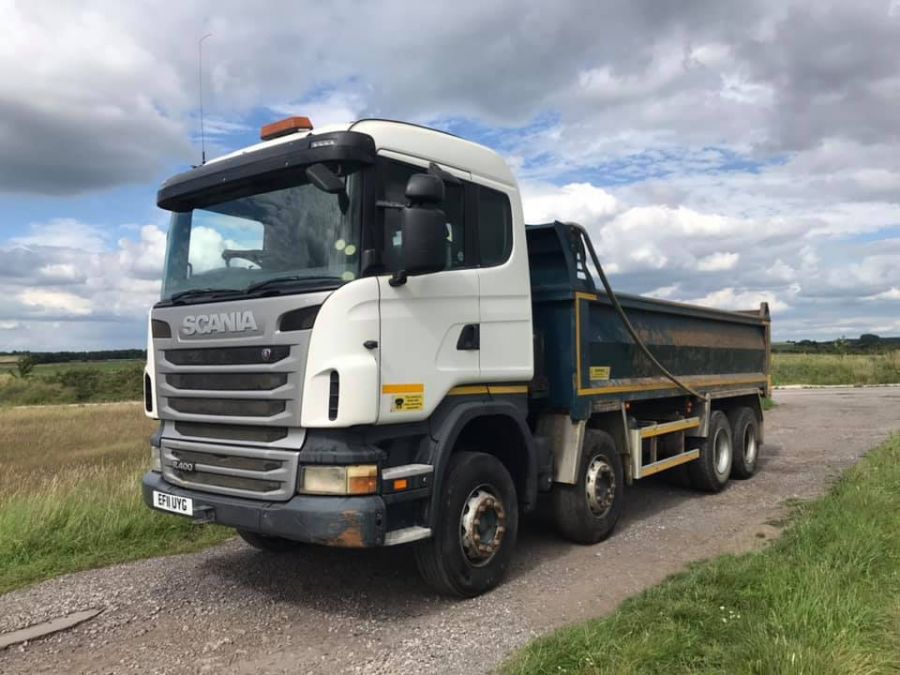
711	470
745	436
474	528
588	511
267	543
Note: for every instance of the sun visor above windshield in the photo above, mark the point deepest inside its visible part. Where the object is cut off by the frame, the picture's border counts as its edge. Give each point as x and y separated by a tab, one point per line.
267	168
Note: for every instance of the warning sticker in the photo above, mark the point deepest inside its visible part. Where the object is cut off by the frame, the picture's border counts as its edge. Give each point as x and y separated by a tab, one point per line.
599	373
407	402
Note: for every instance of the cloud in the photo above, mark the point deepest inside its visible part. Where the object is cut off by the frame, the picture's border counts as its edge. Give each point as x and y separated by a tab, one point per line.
65	296
717	262
713	150
55	301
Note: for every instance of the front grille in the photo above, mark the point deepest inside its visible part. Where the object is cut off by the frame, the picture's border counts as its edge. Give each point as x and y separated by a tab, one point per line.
227	381
231	432
228	461
233	482
230	407
227	356
256	473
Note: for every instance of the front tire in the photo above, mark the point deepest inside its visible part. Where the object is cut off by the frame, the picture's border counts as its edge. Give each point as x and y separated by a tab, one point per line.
475	527
270	544
588	511
711	470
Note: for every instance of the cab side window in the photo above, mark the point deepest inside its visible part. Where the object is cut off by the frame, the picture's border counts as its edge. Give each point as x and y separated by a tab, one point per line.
494	227
395	175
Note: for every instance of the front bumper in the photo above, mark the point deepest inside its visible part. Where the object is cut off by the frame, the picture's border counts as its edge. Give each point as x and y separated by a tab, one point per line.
350	522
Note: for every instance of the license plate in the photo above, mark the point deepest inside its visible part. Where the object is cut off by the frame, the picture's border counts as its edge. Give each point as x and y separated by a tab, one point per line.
173	503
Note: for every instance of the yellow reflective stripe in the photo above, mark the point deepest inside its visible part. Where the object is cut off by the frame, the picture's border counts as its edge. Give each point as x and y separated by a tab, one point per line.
669	463
481	389
661	385
468	391
403	389
518	389
670	428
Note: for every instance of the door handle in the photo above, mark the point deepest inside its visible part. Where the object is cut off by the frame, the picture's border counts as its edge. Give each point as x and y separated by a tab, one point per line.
469	337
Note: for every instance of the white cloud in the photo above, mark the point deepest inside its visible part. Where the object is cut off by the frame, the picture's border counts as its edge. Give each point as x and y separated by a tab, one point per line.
578	202
892	293
717	262
94	297
728	298
64	233
56	301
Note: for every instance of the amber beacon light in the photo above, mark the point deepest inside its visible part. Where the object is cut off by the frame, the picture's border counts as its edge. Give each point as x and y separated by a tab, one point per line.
284	127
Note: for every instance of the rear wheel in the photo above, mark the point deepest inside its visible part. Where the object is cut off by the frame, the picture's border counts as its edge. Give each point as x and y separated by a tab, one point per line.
710	471
475	527
745	436
588	511
266	543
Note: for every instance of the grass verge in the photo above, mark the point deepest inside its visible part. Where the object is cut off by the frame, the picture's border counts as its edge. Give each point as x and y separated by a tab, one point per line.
70	494
825	598
850	369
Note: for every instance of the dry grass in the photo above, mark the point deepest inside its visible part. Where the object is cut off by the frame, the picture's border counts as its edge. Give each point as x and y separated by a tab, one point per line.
70	493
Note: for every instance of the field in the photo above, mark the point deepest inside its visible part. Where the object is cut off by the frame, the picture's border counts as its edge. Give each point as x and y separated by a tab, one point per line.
854	369
825	598
72	382
70	493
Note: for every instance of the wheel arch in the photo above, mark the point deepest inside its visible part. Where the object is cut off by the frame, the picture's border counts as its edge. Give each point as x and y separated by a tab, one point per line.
496	428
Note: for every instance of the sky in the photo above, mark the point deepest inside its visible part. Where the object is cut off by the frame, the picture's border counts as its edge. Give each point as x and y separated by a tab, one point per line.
718	153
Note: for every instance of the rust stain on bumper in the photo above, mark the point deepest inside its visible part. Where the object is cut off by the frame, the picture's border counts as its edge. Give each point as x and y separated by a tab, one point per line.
352	534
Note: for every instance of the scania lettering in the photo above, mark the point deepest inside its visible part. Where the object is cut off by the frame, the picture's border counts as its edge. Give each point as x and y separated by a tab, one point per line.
360	343
231	322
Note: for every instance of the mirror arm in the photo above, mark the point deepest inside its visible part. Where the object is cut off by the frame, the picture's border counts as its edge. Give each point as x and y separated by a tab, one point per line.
398	279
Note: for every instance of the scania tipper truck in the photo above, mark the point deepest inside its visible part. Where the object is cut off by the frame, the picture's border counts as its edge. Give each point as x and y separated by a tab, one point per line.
360	343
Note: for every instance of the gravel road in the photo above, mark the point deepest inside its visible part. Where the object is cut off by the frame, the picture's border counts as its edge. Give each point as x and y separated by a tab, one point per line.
233	609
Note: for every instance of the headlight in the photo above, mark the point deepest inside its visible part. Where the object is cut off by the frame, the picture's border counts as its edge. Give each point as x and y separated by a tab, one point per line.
155	459
361	479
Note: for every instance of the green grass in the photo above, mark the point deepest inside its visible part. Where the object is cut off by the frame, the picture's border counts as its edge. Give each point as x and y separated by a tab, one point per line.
73	382
853	369
70	494
823	599
8	364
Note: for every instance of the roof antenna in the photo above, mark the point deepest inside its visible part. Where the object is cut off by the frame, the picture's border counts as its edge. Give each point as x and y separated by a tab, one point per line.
200	85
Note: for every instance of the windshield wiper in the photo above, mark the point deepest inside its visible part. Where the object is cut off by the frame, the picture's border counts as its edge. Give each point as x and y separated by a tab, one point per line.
192	292
293	278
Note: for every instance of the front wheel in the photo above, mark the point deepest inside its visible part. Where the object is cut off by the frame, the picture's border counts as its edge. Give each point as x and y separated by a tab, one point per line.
588	511
474	530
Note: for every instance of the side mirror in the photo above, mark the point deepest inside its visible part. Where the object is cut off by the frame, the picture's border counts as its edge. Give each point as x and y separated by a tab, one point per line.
424	229
424	188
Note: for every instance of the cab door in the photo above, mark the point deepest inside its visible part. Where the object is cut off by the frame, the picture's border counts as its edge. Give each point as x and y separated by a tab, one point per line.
425	322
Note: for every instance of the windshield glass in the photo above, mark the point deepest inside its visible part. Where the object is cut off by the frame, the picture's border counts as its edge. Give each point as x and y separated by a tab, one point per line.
299	232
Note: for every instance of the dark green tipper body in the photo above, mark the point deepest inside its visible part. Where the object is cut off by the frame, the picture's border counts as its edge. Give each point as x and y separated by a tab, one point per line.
584	354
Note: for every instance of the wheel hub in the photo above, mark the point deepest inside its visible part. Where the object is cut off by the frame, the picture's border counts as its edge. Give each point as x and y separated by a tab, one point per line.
482	525
600	486
749	445
722	453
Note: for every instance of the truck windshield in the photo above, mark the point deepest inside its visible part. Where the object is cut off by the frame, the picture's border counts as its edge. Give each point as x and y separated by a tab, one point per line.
292	237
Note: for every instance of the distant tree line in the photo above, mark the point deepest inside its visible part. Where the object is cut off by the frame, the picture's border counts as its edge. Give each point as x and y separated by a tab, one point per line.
67	357
867	343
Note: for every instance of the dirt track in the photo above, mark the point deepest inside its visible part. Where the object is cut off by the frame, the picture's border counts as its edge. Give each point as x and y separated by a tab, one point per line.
233	609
